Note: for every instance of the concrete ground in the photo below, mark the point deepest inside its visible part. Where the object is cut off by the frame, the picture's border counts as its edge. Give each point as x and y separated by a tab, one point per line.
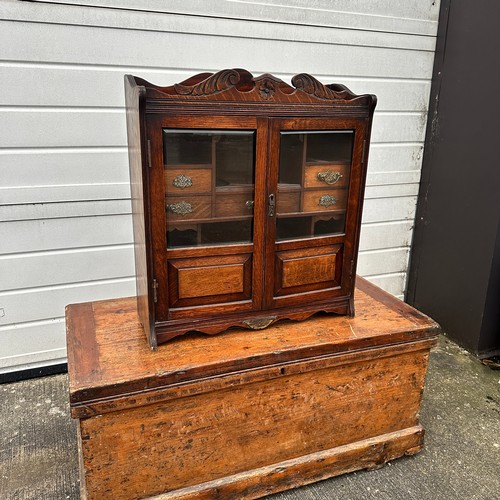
461	458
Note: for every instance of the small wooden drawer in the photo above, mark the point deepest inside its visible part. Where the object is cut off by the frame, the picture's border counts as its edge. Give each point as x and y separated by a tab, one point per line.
188	207
327	175
233	204
288	200
329	199
188	180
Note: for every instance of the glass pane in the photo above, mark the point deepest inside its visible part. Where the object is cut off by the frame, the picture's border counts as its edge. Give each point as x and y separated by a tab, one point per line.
291	158
292	227
183	147
326	147
209	181
313	182
234	154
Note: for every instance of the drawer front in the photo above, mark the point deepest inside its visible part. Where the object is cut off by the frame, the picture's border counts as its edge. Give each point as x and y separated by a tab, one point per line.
188	207
319	200
232	205
188	180
327	175
288	202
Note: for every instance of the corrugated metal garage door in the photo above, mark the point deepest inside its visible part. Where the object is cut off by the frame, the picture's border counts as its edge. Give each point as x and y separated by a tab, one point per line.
64	195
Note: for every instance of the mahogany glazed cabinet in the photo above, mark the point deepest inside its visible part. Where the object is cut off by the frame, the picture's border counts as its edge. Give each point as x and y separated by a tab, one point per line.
246	197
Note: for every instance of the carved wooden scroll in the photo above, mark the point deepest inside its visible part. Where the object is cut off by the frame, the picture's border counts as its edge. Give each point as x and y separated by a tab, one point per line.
216	83
240	85
310	85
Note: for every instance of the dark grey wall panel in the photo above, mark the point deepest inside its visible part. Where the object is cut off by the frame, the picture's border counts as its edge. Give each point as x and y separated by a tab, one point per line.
455	262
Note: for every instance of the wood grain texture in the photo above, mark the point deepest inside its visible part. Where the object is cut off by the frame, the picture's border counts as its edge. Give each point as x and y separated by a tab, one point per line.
311	179
210	280
201	180
287	200
232	379
381	320
229	319
366	454
240	85
214	280
333	395
316	201
178	443
139	186
307	270
231	205
198	207
82	347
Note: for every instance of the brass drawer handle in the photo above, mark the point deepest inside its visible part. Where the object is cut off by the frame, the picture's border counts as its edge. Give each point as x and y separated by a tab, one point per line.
249	204
181	208
182	181
329	176
327	200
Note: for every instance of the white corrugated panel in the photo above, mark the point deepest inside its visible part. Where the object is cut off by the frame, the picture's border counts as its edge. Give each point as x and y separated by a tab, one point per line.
65	219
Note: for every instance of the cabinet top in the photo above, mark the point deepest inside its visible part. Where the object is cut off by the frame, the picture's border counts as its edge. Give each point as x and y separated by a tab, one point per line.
239	85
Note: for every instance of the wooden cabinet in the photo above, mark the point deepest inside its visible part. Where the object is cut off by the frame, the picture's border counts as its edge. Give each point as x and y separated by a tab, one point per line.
247	196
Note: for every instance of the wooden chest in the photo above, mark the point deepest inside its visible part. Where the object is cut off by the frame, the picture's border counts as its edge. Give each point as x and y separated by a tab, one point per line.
245	413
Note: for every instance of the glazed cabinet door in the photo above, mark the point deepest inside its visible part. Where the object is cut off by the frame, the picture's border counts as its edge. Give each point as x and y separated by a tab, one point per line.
315	172
207	190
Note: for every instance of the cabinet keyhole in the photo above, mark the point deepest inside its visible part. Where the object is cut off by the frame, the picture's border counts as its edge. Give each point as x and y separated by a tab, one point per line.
271	205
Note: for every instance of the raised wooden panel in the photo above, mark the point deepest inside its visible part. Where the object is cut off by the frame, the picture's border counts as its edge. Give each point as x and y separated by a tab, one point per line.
196	180
307	269
209	280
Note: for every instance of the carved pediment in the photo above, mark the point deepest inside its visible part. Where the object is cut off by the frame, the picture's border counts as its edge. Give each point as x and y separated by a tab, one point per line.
311	86
215	83
240	85
267	85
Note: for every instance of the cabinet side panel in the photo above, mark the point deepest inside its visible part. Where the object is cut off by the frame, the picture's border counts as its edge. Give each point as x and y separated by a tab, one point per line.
136	141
